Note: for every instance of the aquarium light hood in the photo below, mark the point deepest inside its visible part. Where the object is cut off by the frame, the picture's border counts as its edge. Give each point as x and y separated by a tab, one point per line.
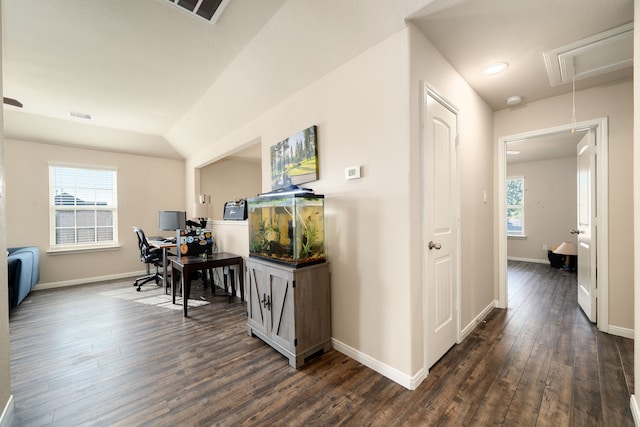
287	191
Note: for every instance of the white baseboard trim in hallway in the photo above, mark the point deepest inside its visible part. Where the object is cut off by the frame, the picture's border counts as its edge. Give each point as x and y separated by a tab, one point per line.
86	280
635	410
621	332
537	261
479	318
407	381
6	419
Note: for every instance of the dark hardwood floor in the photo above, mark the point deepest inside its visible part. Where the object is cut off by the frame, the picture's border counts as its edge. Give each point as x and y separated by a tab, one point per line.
79	358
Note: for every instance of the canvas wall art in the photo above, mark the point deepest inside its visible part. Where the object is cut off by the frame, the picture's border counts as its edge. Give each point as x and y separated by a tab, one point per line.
294	161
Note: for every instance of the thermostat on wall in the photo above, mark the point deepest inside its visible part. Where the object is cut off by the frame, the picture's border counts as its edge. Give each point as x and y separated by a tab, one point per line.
352	172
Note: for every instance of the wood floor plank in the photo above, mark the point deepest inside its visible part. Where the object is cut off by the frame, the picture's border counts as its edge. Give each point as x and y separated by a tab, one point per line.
463	406
82	358
625	350
612	381
586	407
555	406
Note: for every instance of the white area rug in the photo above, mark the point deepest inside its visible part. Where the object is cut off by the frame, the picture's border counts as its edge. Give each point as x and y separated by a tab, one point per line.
152	296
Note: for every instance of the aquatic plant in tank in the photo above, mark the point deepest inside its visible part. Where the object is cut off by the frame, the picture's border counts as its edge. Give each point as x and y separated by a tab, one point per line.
287	228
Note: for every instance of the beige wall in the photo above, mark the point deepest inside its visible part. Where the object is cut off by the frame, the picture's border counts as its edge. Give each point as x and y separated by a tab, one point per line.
475	165
225	180
367	113
5	375
145	186
232	236
635	405
230	179
550	206
360	110
614	101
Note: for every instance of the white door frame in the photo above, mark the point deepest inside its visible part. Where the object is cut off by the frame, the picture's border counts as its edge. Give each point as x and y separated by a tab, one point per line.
428	90
600	127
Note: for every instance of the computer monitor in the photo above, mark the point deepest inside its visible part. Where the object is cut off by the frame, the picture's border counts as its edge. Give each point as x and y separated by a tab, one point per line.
172	220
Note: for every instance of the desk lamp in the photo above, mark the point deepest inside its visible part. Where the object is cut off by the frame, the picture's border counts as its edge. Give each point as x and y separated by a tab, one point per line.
568	249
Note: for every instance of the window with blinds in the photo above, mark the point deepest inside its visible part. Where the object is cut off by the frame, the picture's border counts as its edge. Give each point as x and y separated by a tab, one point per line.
83	207
515	206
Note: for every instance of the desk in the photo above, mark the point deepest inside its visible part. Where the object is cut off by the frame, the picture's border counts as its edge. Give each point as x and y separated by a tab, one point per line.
165	246
186	264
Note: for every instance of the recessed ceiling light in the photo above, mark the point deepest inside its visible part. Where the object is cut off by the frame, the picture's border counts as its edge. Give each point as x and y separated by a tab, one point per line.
493	69
513	152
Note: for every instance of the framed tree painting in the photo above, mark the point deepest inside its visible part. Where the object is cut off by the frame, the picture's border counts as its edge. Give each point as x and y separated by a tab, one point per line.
294	160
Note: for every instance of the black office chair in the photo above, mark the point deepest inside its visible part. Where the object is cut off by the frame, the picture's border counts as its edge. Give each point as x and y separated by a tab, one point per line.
150	256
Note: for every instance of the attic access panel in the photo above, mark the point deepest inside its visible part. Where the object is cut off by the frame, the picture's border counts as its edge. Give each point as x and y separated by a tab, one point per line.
599	54
206	9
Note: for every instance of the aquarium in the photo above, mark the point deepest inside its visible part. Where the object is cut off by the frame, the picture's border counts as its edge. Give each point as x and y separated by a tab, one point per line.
287	228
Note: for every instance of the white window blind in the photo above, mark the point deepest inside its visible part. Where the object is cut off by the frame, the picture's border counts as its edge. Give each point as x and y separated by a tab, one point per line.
83	207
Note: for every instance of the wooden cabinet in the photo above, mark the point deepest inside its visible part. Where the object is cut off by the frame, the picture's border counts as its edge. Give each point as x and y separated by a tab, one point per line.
289	308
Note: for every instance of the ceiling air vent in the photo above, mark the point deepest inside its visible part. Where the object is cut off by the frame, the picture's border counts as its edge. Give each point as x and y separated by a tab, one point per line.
608	51
205	9
79	115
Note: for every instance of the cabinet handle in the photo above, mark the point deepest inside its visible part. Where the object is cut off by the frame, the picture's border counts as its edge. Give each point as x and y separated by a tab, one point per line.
266	301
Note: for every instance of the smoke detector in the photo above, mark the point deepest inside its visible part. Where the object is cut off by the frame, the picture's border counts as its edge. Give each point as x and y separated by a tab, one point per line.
514	100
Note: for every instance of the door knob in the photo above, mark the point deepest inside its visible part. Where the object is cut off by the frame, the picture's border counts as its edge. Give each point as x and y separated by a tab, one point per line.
434	245
575	231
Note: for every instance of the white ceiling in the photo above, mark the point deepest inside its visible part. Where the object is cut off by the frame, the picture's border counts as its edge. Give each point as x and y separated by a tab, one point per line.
474	34
139	66
552	146
136	66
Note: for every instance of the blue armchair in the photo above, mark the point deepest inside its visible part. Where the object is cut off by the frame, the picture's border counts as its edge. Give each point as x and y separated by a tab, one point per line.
24	272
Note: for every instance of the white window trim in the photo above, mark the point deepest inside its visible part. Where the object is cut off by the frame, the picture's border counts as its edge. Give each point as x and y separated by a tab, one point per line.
522	235
94	247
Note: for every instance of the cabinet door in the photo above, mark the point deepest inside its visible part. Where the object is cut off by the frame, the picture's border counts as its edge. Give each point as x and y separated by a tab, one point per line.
282	327
256	282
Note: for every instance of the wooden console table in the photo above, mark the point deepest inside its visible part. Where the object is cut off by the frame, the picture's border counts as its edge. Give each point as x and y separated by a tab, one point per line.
186	264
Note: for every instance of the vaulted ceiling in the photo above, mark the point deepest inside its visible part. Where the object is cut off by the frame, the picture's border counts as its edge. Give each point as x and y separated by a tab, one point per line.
141	69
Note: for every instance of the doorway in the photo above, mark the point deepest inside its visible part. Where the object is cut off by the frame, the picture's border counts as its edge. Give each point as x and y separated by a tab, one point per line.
598	127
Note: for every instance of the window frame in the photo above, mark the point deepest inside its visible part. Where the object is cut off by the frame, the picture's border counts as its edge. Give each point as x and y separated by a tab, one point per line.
54	246
520	206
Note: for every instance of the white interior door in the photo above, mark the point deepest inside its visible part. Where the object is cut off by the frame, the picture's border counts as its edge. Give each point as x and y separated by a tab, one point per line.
586	223
440	209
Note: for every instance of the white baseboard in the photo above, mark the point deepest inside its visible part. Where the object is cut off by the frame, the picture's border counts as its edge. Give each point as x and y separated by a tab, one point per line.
479	318
83	281
635	410
537	261
6	418
407	381
621	332
133	274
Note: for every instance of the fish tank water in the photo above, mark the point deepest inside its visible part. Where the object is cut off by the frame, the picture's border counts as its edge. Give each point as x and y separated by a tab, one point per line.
287	228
